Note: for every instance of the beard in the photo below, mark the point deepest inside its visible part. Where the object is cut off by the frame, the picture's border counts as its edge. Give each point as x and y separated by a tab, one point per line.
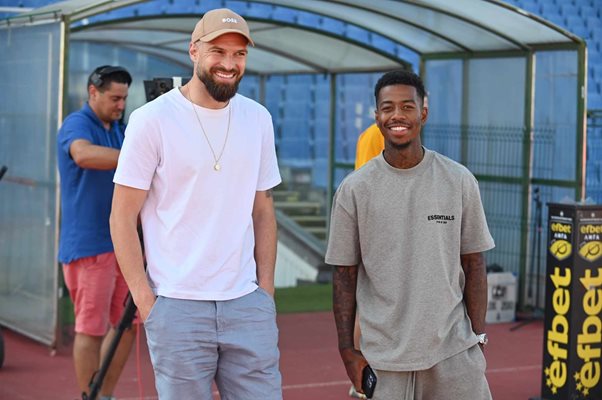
400	146
220	92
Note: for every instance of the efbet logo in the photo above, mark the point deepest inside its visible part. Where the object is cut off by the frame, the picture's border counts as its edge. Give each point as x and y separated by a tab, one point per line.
558	334
589	341
591	245
557	227
560	245
229	20
591	251
561	249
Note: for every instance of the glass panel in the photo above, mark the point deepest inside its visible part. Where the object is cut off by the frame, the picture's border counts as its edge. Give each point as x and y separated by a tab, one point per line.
495	116
85	57
555	147
488	141
28	125
503	203
300	108
355	112
443	82
594	158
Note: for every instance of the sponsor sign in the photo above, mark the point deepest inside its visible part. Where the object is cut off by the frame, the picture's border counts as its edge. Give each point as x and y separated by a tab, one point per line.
572	356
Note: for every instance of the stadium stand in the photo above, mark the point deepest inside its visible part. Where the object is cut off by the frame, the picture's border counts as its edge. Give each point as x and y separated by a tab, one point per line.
300	104
584	19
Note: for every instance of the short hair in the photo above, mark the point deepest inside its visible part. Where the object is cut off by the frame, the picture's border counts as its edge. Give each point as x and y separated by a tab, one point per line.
102	76
400	77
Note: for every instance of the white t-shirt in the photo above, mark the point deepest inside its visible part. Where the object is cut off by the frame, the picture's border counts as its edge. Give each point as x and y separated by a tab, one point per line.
197	223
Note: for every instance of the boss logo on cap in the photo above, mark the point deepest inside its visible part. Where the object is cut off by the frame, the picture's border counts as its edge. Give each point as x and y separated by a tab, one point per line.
230	20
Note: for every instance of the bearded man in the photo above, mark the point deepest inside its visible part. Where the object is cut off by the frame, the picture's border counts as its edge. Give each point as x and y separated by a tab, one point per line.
198	165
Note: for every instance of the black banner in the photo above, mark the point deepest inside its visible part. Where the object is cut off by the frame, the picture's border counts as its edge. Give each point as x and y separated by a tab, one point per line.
572	351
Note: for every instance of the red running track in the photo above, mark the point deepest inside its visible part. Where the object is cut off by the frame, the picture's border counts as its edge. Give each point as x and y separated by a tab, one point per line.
310	364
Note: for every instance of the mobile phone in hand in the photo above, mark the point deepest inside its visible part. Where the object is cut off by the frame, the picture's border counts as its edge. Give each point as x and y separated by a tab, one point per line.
368	381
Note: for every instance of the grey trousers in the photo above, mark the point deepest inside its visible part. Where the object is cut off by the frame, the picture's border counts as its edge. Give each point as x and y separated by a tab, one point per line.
234	342
460	377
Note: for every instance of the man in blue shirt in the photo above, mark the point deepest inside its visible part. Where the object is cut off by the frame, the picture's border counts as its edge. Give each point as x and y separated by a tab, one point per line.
88	146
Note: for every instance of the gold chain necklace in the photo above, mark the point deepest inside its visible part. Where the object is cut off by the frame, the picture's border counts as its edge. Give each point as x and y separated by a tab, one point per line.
216	165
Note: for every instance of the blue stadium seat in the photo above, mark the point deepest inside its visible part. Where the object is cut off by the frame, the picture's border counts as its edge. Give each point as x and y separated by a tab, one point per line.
588	11
556	19
321	146
594	59
320	172
321	127
584	2
297	128
299	79
295	91
574	21
550	8
597	71
580	31
567	9
344	151
592	89
322	108
517	3
593	22
594	101
293	149
321	88
297	109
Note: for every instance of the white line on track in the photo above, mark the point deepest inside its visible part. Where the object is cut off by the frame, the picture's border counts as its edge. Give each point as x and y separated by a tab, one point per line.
346	382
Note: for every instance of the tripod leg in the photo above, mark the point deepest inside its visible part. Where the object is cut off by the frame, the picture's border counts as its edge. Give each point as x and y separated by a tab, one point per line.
125	323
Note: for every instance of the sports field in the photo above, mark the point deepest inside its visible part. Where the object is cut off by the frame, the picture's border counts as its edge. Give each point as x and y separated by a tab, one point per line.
309	363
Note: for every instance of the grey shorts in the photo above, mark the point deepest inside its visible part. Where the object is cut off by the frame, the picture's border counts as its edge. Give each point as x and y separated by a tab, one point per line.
459	377
234	342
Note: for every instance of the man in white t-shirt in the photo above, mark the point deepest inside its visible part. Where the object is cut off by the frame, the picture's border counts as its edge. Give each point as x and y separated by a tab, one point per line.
407	237
198	165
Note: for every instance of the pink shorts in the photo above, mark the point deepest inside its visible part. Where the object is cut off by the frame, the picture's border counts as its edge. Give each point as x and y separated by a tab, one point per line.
98	292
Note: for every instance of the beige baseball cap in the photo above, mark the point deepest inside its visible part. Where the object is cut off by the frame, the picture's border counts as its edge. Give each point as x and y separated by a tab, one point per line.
218	22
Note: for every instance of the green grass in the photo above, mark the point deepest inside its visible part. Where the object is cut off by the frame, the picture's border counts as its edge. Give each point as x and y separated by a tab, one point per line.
66	311
304	298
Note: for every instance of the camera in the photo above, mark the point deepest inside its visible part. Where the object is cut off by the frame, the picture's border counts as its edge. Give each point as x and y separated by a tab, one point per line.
158	86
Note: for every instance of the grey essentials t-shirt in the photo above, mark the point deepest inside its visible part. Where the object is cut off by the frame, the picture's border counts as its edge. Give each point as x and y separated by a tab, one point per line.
406	229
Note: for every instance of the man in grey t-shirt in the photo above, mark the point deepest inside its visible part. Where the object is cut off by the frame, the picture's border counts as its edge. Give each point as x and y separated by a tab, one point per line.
406	238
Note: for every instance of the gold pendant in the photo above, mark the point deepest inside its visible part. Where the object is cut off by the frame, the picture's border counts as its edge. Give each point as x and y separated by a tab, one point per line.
217	167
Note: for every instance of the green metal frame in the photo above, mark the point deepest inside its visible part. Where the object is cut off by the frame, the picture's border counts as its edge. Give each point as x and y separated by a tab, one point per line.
62	296
528	137
527	180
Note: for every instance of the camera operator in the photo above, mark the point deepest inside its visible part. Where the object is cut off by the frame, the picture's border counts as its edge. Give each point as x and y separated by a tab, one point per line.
88	146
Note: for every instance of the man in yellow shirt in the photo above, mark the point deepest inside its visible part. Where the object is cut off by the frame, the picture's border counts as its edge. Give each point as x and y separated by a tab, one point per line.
369	144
